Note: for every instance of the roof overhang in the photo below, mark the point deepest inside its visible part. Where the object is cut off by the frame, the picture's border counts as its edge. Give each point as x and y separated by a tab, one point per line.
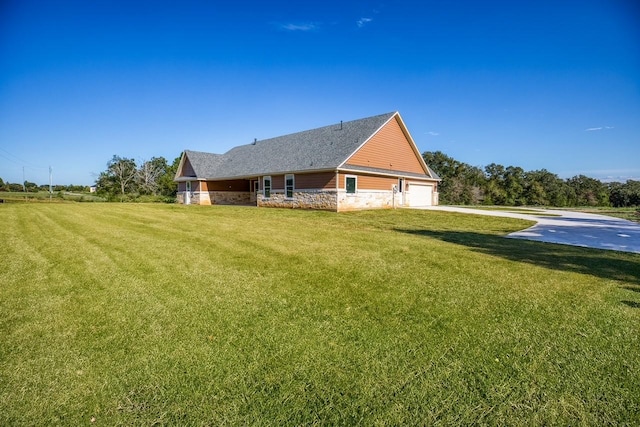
266	173
385	172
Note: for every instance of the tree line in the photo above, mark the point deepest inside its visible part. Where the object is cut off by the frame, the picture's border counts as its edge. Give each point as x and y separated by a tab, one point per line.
125	180
463	184
32	187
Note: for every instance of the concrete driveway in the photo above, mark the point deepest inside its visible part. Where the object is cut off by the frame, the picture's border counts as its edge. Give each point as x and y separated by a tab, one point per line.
569	228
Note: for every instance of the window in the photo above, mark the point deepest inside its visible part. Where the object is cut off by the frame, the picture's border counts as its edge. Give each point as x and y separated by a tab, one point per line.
351	184
400	185
266	186
288	186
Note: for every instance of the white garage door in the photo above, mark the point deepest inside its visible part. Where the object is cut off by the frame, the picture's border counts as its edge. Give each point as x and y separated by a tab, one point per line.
420	195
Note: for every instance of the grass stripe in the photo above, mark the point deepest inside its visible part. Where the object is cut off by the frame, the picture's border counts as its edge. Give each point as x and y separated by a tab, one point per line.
165	314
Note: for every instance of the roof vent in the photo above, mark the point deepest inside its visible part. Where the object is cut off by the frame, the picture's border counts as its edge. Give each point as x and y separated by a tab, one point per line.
255	140
340	124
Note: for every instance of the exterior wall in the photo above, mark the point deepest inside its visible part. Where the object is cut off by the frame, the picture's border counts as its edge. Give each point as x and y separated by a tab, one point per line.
324	180
367	199
197	197
302	199
229	197
372	192
233	192
230	185
388	149
368	182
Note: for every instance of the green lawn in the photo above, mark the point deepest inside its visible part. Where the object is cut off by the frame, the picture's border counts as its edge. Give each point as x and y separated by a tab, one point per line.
630	213
45	196
134	314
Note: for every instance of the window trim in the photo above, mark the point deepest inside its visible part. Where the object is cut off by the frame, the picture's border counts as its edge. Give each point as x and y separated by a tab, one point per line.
266	189
286	187
355	184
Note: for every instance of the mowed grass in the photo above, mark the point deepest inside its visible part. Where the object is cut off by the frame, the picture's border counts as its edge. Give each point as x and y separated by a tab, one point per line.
122	314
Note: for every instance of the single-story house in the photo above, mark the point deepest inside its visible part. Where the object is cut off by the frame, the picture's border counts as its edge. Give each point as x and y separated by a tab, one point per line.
362	164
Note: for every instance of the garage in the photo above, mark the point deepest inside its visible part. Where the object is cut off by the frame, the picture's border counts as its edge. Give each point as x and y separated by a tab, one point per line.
420	195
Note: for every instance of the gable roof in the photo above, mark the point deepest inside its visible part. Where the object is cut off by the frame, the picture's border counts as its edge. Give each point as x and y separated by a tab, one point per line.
313	150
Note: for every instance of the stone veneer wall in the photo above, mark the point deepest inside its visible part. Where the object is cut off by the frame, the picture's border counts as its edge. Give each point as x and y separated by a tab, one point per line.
216	197
364	199
302	199
229	197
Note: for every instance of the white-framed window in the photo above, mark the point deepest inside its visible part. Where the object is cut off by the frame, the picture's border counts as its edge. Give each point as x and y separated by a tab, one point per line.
266	186
188	187
351	184
288	186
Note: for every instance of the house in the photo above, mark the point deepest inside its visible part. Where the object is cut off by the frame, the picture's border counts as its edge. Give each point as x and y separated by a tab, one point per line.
362	164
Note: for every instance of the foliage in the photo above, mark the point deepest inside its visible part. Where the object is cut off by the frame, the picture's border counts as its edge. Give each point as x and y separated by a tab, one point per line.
461	183
368	318
118	178
125	181
513	186
168	187
627	194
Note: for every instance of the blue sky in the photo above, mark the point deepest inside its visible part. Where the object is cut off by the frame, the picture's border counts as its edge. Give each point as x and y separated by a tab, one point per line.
536	84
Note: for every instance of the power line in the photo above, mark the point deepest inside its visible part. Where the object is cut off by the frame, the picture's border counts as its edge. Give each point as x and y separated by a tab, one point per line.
18	160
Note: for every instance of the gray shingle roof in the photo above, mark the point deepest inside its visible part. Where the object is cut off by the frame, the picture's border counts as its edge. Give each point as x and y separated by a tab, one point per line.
202	162
317	149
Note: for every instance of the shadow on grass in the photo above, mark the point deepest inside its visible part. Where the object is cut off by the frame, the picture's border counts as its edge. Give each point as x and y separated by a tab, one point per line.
632	304
600	263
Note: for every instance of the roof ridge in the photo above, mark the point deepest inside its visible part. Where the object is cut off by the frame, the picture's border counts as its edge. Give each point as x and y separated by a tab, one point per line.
343	123
322	148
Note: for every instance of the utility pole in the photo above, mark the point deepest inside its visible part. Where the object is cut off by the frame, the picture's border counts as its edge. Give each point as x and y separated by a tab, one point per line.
24	188
50	183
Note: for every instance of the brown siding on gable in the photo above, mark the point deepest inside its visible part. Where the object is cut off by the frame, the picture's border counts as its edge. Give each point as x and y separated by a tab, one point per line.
231	185
388	149
187	169
369	182
315	181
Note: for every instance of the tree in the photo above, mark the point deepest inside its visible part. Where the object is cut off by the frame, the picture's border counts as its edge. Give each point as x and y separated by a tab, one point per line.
495	193
543	188
461	182
119	177
588	191
514	186
166	185
624	195
31	186
149	174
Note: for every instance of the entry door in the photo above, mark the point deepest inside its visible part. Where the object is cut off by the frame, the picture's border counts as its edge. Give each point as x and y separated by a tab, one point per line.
401	190
187	194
